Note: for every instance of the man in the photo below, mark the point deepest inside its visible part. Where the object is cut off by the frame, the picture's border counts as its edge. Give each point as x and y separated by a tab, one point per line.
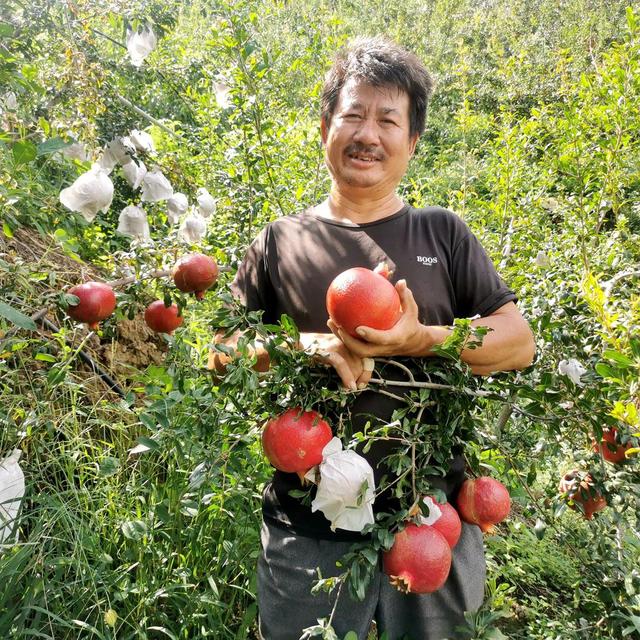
373	112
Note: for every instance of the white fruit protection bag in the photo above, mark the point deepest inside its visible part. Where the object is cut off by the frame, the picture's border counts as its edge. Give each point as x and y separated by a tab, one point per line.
346	489
11	493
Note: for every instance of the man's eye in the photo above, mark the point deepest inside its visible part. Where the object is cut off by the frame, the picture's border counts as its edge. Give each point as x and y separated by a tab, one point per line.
352	116
388	122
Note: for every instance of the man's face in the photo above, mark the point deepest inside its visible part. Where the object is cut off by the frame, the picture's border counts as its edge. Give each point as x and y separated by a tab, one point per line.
367	145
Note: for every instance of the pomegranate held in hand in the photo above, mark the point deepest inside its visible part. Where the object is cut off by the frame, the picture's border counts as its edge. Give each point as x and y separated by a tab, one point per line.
483	501
448	524
419	561
362	297
96	302
610	447
162	319
582	492
293	441
195	273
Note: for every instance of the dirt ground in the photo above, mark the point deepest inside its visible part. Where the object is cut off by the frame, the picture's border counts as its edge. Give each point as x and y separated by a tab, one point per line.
132	345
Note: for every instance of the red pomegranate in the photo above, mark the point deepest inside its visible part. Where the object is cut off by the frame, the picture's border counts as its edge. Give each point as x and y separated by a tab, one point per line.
580	491
96	302
610	447
362	297
195	273
483	501
419	560
448	524
293	441
162	319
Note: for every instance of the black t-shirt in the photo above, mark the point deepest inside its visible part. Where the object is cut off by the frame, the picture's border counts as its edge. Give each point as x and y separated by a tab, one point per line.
288	268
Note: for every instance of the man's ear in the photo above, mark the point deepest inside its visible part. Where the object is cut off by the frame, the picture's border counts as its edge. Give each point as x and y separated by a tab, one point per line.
413	141
324	130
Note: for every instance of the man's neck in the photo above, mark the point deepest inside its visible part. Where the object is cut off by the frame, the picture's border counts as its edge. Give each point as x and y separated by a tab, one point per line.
358	211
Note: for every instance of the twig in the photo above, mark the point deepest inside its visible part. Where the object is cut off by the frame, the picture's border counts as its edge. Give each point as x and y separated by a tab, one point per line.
608	286
146	116
391	395
129	279
402	475
395	363
434	385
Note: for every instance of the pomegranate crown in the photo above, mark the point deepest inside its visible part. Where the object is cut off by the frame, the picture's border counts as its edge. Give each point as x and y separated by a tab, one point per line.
383	270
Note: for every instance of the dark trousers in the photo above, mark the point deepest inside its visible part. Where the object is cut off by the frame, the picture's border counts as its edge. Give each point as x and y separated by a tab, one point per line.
287	570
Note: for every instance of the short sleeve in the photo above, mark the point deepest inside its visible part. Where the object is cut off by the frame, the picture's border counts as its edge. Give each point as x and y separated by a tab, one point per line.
479	290
252	285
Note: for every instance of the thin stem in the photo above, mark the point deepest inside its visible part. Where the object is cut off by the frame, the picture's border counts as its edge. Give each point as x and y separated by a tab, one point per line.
395	363
433	385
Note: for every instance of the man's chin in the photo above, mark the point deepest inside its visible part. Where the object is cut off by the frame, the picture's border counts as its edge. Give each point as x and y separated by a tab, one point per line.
360	179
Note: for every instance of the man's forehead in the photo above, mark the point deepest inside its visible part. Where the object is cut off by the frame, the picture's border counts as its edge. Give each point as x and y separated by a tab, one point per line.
356	93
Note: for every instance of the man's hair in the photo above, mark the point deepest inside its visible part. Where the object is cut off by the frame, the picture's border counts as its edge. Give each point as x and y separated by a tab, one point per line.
380	63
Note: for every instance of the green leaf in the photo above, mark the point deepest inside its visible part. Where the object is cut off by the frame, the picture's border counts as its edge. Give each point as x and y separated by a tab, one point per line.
144	444
495	634
539	529
6	29
46	357
24	151
17	317
6	229
134	529
51	146
109	466
606	371
351	635
618	358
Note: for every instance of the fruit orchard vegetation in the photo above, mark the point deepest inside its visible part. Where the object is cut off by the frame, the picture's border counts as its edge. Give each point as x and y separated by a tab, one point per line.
536	161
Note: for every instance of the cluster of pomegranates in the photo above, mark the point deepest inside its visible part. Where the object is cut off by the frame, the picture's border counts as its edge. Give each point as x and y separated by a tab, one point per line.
420	558
194	273
579	487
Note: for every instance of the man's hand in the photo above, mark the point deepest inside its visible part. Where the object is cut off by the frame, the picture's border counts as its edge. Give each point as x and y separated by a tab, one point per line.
408	337
509	345
218	361
354	371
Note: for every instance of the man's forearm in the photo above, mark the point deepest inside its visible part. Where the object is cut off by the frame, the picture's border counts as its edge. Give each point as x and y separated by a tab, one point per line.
508	346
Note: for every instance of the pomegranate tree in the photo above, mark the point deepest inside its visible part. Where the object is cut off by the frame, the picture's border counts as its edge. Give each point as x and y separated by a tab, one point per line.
419	560
483	501
195	273
161	318
293	441
581	491
96	301
362	297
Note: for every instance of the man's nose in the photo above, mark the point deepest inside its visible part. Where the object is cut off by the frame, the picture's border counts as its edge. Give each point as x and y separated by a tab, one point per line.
367	132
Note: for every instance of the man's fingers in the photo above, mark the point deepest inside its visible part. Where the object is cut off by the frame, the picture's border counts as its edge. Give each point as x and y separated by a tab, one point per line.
368	365
407	300
375	336
343	370
333	328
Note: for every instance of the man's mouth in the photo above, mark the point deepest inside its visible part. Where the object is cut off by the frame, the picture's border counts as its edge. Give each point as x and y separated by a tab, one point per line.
363	156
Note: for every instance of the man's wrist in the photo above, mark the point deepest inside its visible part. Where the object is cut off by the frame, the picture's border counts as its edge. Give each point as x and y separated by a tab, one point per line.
427	337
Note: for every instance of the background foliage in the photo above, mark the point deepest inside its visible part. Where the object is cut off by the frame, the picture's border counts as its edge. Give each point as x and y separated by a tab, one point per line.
141	516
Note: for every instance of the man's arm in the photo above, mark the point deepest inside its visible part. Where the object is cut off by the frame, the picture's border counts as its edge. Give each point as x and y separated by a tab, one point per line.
326	348
510	344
